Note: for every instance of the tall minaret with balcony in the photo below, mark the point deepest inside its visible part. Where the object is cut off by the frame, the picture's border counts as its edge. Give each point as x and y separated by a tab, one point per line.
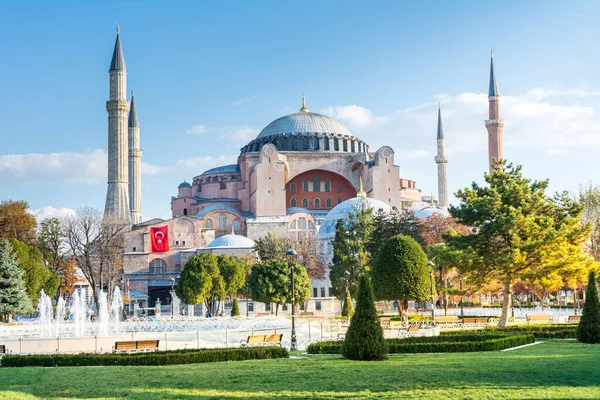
135	157
117	195
441	160
494	124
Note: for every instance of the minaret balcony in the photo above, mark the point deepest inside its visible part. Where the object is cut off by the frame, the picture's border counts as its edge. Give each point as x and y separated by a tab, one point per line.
499	121
441	159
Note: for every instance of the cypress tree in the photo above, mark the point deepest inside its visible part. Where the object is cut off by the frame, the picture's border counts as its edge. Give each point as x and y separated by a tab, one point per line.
588	330
348	308
13	295
235	309
364	339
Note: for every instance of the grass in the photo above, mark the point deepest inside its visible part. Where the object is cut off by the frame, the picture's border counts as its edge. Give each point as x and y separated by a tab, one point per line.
552	370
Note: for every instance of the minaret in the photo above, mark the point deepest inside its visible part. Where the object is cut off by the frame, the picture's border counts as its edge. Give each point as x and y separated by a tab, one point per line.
495	124
117	196
135	174
441	160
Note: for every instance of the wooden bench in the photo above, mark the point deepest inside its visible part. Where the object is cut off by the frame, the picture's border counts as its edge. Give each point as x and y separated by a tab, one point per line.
307	314
263	314
448	321
538	317
574	318
475	320
136	346
411	331
386	323
262	340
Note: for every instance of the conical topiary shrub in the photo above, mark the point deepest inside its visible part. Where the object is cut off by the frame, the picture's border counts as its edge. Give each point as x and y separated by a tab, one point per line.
364	339
348	309
235	309
588	330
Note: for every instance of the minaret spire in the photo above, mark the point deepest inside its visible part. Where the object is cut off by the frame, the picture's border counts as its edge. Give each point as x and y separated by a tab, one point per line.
135	157
117	195
494	124
441	160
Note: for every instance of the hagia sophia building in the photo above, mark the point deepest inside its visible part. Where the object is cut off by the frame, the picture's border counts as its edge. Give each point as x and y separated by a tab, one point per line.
301	174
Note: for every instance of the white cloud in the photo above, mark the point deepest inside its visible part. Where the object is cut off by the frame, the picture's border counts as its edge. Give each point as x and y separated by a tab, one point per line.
235	135
51	212
355	116
244	100
196	130
62	168
197	165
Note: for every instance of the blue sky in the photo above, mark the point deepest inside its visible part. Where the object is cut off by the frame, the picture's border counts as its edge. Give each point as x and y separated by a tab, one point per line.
209	76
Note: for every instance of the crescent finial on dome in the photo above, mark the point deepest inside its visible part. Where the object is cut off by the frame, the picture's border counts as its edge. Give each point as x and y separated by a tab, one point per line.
303	109
361	193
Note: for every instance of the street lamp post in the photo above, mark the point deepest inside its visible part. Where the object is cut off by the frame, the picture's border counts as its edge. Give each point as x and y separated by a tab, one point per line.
346	281
432	266
172	294
462	310
292	256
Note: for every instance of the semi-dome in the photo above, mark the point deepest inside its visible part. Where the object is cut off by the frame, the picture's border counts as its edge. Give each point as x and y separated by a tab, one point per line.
184	184
427	212
304	122
232	241
344	209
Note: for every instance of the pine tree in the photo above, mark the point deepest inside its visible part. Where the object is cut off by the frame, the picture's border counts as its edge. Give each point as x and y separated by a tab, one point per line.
13	295
364	340
588	330
347	307
235	309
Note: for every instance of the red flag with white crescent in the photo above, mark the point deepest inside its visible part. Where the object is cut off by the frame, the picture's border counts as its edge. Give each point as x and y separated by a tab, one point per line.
159	237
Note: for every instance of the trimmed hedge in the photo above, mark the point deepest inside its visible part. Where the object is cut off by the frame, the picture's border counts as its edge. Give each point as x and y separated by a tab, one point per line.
540	331
438	344
189	356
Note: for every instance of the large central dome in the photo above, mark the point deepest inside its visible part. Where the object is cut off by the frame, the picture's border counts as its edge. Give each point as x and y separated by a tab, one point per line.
304	122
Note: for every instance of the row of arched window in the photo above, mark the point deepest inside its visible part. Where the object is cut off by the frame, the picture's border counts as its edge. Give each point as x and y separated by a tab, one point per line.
236	223
304	143
316	185
316	203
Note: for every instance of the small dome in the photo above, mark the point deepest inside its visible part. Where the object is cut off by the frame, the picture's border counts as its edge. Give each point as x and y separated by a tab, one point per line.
344	209
304	122
233	241
184	184
427	212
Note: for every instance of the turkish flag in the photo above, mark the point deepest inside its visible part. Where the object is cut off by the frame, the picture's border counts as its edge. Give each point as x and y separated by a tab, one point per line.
159	237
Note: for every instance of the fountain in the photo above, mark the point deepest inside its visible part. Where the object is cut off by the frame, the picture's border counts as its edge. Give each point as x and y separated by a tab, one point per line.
44	310
116	308
103	316
78	311
59	316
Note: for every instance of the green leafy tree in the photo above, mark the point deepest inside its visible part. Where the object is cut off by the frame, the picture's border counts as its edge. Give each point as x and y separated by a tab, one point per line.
446	260
201	281
387	225
516	229
36	275
270	282
589	196
235	309
53	247
400	273
13	294
350	251
364	339
233	272
588	330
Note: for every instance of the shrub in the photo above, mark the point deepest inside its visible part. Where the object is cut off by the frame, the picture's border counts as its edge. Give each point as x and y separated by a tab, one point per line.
235	309
539	331
189	356
364	339
588	330
348	308
438	344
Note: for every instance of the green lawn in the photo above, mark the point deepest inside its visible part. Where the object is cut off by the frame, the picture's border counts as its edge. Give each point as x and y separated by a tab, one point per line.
552	370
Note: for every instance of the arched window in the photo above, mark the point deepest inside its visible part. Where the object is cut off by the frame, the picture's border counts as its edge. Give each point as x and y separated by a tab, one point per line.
327	185
345	143
352	146
293	188
315	144
222	222
237	226
305	203
316	183
305	185
185	211
317	203
293	203
208	224
328	203
302	223
293	224
306	144
157	266
326	144
339	201
336	144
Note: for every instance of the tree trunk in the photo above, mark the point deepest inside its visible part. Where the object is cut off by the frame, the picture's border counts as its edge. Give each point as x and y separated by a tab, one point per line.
403	309
276	309
445	294
506	304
